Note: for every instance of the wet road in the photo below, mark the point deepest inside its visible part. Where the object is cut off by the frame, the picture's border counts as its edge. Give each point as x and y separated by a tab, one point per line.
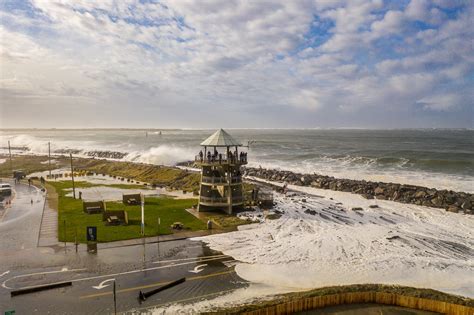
21	221
207	273
140	267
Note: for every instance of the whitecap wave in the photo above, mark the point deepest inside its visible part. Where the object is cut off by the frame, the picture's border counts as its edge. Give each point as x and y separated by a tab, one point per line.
385	169
352	168
161	155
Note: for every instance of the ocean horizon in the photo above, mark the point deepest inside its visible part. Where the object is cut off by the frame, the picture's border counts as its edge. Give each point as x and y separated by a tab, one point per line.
435	158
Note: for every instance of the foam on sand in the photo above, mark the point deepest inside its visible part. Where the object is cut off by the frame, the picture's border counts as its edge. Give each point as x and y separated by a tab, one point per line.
318	242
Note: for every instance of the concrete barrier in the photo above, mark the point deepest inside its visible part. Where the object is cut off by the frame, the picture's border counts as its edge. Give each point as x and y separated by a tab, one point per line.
40	288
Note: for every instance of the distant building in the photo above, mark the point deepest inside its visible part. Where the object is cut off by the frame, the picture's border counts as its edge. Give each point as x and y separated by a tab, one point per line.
221	178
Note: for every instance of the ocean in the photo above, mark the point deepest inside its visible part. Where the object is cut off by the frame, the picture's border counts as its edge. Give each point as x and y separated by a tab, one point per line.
442	159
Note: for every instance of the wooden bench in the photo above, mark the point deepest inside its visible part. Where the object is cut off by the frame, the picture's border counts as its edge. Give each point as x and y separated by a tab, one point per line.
93	207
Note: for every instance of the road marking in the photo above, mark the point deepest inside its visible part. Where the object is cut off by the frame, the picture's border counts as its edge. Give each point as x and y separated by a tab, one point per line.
103	284
155	285
35	274
190	258
113	274
140	270
5	273
198	268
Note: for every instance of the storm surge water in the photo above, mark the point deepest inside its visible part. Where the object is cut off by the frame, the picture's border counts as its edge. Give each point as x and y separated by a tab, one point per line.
442	159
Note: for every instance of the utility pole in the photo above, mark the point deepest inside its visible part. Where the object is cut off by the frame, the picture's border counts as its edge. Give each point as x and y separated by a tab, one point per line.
115	300
49	158
65	248
143	216
158	237
10	154
72	178
75	239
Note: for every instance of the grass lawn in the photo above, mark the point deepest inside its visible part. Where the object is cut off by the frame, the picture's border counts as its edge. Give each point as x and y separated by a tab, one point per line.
167	209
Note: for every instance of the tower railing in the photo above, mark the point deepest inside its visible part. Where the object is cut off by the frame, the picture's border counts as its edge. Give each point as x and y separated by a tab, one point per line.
221	159
220	180
220	199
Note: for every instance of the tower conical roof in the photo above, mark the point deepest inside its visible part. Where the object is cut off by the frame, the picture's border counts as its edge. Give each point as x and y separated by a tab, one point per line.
220	138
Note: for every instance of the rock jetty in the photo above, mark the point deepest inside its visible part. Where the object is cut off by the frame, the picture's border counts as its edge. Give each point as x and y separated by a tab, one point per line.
107	154
423	196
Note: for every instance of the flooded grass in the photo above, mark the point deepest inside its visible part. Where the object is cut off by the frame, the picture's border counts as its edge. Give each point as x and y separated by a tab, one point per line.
164	176
227	221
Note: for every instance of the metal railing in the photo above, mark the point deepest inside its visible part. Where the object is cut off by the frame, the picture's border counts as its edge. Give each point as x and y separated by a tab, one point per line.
220	180
223	159
219	199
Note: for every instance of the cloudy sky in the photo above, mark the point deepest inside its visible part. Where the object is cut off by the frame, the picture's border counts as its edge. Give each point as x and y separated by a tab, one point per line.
320	63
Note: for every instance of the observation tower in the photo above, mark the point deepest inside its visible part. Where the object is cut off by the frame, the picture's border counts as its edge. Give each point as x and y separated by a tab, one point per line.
221	178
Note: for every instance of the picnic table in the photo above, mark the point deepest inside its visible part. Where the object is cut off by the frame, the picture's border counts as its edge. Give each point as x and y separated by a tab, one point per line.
113	220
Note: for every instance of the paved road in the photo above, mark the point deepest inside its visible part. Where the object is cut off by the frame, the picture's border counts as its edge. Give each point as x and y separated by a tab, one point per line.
134	268
20	224
207	273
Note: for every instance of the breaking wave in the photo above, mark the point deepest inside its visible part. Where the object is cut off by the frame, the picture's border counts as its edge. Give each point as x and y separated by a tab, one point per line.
162	155
430	167
398	170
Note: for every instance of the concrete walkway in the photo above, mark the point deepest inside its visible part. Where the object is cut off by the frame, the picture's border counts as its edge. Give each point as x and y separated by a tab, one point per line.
48	235
150	240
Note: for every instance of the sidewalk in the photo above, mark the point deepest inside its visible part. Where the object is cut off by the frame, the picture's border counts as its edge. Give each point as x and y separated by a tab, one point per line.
149	240
155	239
48	235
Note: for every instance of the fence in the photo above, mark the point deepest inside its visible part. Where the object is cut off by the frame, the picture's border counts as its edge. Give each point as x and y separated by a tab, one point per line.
305	304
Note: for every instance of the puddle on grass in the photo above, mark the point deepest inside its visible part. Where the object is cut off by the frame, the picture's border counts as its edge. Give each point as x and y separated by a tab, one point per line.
113	194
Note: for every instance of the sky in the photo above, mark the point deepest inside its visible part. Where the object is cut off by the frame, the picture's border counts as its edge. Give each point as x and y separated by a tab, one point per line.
225	63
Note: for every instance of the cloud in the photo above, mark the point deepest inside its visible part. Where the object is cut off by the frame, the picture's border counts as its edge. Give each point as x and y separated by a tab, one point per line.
172	60
307	99
444	102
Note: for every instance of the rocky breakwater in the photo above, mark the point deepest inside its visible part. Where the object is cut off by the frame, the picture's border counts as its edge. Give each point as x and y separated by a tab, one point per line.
107	154
423	196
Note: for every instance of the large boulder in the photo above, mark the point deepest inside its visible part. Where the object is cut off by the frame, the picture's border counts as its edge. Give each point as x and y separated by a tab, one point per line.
453	209
466	205
420	194
379	190
437	201
316	184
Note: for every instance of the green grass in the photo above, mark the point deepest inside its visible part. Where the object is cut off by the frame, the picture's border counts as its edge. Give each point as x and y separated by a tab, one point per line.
167	209
155	174
170	177
228	221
